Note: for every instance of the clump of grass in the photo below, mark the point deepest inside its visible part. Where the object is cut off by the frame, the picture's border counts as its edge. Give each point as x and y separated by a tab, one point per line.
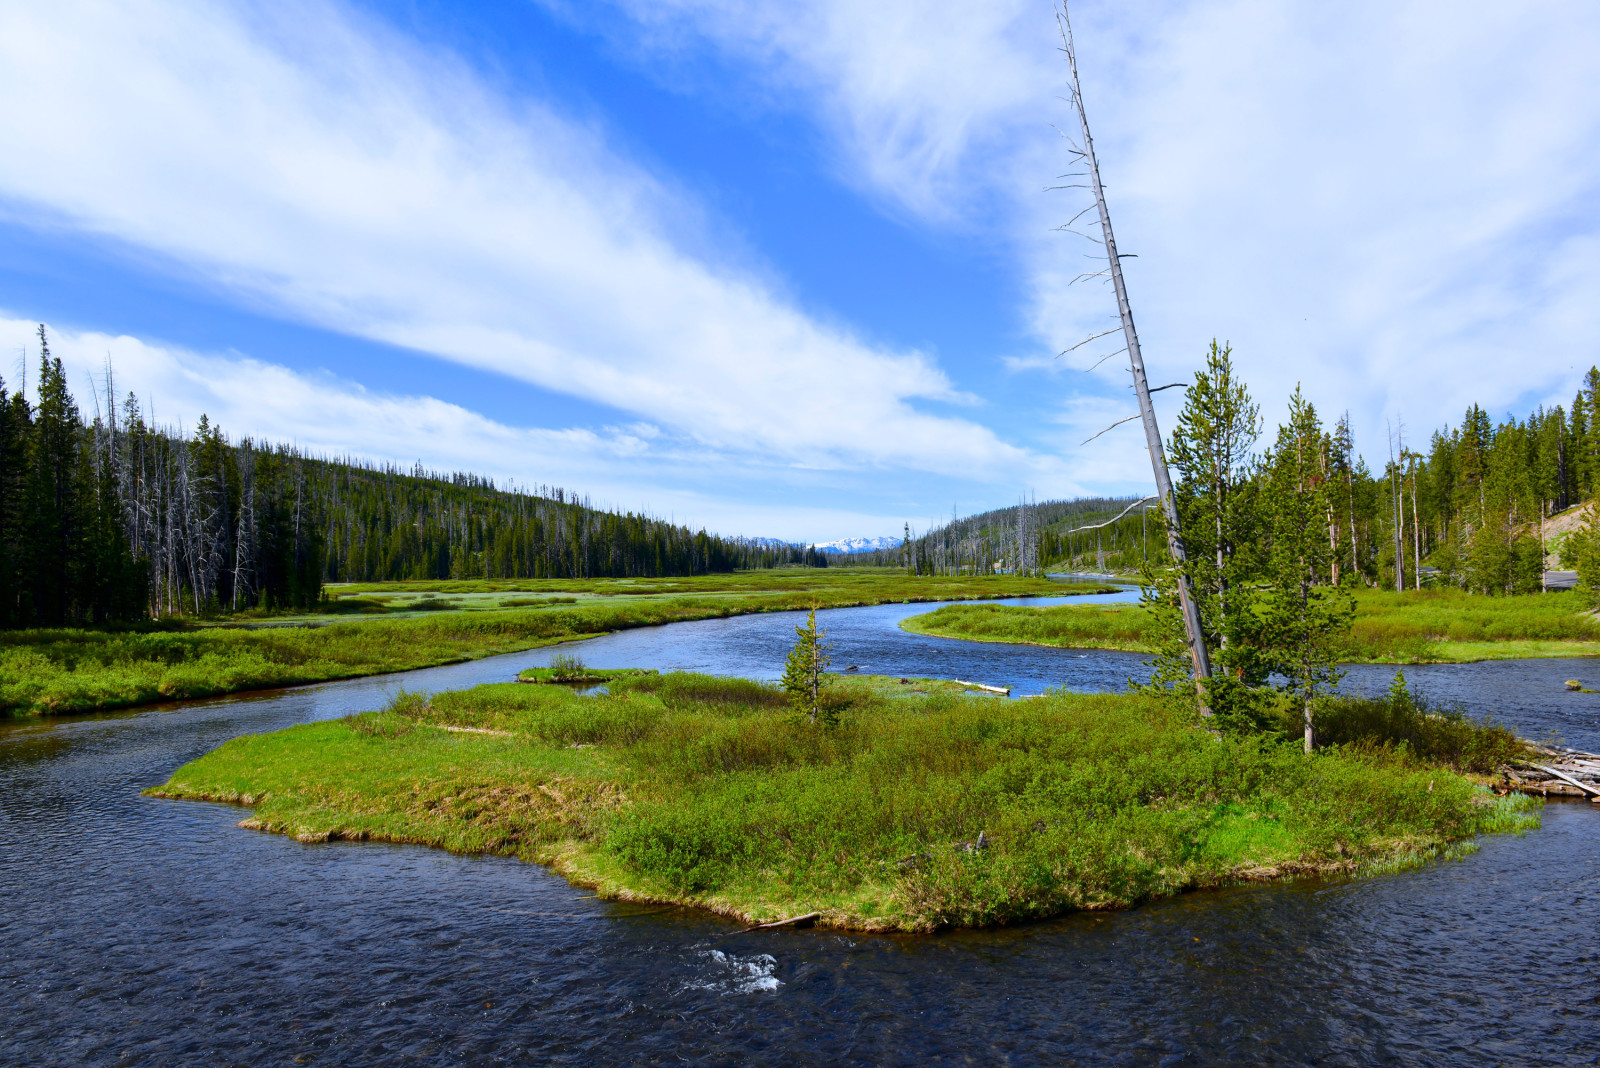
432	604
567	667
914	812
686	689
380	724
1411	722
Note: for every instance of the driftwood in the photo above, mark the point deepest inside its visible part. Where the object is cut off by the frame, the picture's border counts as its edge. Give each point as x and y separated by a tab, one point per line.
1568	778
792	921
980	686
1572	766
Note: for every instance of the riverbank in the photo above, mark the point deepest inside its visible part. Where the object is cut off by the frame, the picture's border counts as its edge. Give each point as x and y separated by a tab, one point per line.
81	670
1416	627
924	808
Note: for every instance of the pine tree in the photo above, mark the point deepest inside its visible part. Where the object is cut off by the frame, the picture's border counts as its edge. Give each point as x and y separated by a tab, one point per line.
1303	618
51	539
805	666
16	422
1210	451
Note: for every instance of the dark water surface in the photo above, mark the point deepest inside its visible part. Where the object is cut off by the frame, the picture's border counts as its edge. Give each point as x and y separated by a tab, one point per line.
135	930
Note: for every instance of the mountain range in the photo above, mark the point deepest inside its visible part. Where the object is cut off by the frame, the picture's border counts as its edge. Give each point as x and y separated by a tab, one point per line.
857	545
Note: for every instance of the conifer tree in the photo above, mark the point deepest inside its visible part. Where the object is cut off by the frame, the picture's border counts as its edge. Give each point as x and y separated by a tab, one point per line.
1210	449
1303	618
805	666
51	540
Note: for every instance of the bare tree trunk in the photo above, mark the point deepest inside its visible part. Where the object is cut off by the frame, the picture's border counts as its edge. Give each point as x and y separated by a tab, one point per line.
1398	513
1416	531
1141	387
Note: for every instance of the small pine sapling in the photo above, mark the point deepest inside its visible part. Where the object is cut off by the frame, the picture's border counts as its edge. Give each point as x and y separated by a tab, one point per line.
805	666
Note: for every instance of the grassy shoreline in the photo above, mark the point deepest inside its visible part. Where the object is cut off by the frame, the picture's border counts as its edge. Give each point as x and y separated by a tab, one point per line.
923	808
1431	627
67	671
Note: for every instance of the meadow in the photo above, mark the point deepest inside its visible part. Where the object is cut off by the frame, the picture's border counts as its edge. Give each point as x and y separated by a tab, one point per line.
1415	627
369	630
921	808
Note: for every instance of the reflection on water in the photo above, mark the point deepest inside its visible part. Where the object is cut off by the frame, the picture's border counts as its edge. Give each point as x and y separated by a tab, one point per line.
135	930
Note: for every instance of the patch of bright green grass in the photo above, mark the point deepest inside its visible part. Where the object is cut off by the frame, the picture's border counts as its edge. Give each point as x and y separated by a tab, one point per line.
916	811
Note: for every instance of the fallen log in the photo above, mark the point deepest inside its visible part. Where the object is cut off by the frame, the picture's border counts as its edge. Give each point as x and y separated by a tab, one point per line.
1585	787
792	921
1006	690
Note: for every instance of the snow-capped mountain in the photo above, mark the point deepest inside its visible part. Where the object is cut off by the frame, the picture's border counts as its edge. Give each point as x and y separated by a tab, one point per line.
857	545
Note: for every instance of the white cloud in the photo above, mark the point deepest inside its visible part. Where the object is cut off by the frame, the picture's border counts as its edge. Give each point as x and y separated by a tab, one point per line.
331	172
919	93
633	468
1394	203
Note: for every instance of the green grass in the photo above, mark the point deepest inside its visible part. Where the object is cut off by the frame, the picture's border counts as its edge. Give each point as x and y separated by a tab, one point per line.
1415	627
712	792
80	670
1125	626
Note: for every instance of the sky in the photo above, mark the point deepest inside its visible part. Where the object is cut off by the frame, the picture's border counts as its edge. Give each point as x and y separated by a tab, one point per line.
792	269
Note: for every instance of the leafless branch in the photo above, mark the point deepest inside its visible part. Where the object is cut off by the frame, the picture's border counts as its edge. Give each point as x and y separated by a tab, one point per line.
1114	426
1108	522
1092	337
1103	359
1171	385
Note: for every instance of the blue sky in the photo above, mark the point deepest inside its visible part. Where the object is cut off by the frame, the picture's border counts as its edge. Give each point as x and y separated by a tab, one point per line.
788	269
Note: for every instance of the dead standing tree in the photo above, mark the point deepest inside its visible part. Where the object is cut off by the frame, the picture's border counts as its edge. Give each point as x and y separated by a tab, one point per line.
1193	635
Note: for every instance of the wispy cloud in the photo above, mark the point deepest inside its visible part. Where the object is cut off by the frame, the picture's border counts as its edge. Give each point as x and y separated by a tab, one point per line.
304	159
1395	203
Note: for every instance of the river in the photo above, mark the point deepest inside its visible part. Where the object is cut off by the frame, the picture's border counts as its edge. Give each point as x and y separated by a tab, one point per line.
141	931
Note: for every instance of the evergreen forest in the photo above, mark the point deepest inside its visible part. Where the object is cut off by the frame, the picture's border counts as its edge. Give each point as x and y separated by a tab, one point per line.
112	519
1463	509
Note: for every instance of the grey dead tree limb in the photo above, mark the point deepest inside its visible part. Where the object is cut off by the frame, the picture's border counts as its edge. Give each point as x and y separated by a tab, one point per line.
1119	515
1193	635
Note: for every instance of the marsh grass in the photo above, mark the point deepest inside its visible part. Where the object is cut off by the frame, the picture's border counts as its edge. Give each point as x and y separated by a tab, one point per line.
1426	626
1445	736
79	670
917	811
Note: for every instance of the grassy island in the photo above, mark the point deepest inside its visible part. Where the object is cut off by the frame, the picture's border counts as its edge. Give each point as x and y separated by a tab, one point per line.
377	628
1416	627
921	806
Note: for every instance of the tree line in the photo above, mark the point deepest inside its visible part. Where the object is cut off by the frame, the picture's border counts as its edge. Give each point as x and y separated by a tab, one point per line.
1276	539
110	519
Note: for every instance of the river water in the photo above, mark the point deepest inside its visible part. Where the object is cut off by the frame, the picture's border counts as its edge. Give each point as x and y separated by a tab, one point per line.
140	931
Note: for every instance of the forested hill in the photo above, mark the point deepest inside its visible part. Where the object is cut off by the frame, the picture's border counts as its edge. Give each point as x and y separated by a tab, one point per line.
1465	506
114	518
1028	536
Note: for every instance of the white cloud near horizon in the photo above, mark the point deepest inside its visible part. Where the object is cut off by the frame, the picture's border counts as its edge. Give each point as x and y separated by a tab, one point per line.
300	158
1395	203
